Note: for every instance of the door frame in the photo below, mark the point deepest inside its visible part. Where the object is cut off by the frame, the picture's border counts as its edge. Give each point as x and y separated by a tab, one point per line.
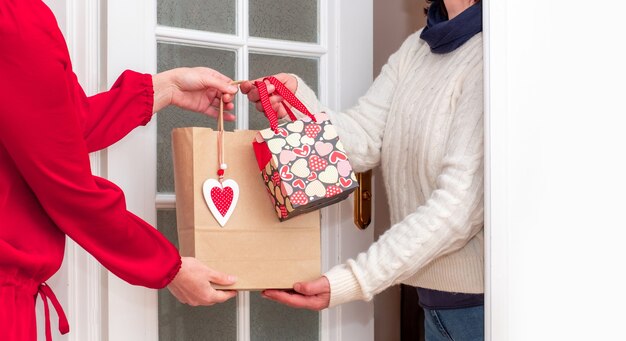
132	312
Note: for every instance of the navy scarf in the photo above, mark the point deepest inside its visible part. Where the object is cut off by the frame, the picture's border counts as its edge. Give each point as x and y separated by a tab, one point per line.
443	35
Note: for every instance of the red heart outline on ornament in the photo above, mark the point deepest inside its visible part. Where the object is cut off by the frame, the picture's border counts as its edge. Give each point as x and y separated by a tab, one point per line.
210	195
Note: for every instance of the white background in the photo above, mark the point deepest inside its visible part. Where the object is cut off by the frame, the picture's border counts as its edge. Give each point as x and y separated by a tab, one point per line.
556	152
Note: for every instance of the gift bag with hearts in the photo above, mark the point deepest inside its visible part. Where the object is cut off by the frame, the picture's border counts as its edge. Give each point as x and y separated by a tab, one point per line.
302	162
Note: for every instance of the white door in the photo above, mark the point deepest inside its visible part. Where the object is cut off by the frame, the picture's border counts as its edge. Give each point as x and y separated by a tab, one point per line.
329	44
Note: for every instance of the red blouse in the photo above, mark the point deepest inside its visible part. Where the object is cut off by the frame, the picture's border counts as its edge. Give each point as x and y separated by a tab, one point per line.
47	129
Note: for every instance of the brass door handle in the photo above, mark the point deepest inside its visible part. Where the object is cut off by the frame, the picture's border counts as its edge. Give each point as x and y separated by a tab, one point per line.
363	200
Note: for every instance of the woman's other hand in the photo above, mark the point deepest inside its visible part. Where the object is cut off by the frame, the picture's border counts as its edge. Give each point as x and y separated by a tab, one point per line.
248	88
192	284
313	295
196	89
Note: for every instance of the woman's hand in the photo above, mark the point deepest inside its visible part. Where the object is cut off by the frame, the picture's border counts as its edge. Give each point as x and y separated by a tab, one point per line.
197	89
248	88
313	295
192	284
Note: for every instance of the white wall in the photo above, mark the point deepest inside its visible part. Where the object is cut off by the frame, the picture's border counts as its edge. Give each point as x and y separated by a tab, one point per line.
558	171
394	20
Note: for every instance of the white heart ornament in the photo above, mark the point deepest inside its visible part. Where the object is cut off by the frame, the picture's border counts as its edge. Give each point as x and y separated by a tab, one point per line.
221	198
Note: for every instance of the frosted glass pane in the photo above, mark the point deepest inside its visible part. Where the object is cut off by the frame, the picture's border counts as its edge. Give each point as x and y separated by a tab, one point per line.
205	15
185	323
264	65
171	56
295	20
272	321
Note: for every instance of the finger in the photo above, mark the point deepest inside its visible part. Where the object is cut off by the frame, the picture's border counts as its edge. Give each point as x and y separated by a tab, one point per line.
270	88
211	93
221	278
227	98
220	296
259	107
316	287
281	112
246	87
220	84
253	95
229	106
291	299
229	117
218	75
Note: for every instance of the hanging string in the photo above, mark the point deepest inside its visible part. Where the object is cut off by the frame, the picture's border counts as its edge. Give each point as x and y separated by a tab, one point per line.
220	137
220	143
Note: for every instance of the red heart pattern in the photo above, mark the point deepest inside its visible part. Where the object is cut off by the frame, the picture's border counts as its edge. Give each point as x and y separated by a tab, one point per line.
302	152
337	156
282	132
299	183
317	164
332	191
275	178
222	198
345	182
312	130
299	198
311	155
285	174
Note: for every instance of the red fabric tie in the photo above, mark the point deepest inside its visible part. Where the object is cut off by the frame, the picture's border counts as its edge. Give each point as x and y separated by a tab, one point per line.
46	294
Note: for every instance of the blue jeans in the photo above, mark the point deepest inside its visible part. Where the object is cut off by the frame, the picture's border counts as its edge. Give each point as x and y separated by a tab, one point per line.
465	324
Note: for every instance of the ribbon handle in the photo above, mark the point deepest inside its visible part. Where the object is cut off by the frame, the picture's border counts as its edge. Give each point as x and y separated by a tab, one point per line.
289	97
270	113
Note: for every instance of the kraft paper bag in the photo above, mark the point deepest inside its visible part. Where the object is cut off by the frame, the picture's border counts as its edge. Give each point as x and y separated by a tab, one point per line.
253	245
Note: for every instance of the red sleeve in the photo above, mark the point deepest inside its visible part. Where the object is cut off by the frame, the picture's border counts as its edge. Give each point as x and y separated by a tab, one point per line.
110	115
43	134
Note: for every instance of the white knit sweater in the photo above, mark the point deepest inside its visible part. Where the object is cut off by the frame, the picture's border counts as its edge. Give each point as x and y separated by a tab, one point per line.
422	122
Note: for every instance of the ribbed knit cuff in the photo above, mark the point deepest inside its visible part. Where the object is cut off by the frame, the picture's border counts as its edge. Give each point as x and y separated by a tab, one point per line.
307	96
344	286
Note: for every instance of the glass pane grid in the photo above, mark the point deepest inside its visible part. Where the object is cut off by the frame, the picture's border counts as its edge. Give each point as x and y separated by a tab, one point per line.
178	321
291	20
204	15
287	51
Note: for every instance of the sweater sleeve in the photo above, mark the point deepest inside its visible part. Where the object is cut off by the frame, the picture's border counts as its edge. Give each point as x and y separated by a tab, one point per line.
42	133
361	127
111	115
450	217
